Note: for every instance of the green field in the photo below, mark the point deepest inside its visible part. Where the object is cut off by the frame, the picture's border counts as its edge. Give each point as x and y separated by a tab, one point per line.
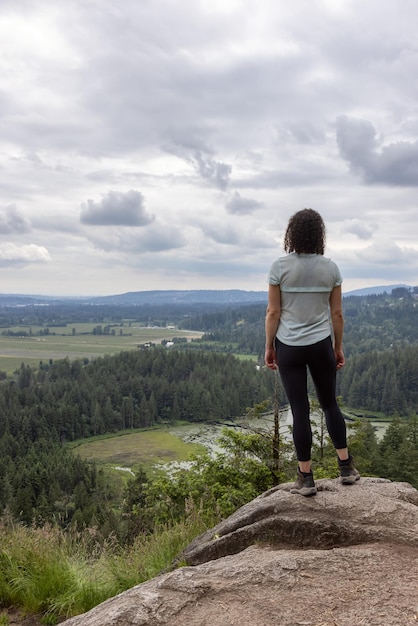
135	448
73	344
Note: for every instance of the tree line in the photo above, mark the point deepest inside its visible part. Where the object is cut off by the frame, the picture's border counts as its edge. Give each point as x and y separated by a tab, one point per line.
385	382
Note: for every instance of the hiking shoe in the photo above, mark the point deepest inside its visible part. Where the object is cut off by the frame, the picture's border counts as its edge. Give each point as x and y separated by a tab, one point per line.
348	472
305	485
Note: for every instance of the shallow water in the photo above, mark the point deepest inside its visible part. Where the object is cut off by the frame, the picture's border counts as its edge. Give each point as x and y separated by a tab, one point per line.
209	434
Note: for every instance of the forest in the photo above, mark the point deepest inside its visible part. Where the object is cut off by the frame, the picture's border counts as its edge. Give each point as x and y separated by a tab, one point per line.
43	410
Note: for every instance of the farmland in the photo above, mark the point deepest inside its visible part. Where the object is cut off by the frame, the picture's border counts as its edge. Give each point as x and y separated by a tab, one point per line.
77	341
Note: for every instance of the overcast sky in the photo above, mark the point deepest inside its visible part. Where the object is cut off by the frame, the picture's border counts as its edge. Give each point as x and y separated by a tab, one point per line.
164	144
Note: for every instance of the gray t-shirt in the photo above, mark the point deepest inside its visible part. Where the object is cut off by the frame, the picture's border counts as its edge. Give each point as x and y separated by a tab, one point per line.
306	281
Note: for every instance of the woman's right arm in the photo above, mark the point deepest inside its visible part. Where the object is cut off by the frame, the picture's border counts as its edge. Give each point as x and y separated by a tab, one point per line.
272	324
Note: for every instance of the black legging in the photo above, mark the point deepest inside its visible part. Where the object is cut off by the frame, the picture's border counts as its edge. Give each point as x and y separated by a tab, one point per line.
293	362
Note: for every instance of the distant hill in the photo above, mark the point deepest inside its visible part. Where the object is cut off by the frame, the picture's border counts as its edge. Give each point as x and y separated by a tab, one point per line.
214	296
193	296
16	300
169	297
374	291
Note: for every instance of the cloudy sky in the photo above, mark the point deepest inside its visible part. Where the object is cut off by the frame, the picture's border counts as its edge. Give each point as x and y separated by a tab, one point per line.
164	144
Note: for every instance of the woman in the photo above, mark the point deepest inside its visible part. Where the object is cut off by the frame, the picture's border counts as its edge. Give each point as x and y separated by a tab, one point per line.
304	329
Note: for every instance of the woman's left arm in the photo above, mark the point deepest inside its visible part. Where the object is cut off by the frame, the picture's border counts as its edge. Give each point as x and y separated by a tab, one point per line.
272	323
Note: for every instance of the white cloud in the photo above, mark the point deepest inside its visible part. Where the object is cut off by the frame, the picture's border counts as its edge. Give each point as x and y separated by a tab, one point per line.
240	206
117	208
388	253
201	158
379	263
360	228
13	255
13	221
395	164
153	239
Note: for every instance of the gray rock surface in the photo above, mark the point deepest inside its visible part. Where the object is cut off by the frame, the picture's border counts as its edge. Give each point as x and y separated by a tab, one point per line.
374	509
346	557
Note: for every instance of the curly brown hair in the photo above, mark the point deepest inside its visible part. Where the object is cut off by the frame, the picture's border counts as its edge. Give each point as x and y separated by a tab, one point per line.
305	233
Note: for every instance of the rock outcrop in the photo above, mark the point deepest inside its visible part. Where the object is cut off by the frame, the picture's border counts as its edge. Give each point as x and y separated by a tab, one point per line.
373	510
347	556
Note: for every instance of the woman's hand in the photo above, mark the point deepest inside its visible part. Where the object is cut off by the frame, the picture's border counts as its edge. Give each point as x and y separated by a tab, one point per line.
270	358
339	358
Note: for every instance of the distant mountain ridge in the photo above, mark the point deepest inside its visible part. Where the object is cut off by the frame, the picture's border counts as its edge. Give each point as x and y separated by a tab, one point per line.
157	297
374	291
192	296
169	296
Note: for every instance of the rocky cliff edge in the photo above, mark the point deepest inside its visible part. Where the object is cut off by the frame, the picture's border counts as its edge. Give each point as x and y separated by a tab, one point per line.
346	557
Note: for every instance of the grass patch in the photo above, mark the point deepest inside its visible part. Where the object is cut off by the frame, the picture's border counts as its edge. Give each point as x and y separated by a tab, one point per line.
376	416
38	566
10	364
136	448
246	357
57	574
